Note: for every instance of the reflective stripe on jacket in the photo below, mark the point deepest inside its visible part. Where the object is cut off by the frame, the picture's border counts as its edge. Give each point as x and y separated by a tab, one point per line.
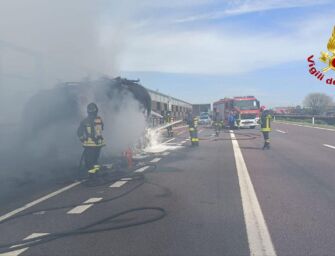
266	122
90	132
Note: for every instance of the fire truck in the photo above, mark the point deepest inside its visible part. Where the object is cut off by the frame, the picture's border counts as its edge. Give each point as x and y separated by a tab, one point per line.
246	111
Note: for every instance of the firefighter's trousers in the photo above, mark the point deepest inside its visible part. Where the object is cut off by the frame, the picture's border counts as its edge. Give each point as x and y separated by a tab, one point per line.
194	136
266	136
91	156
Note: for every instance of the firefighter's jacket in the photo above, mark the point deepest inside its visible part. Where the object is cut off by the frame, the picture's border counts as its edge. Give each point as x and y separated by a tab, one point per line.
266	121
168	119
90	132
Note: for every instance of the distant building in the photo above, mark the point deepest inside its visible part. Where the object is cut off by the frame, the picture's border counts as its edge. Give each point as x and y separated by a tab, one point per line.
199	108
284	110
162	103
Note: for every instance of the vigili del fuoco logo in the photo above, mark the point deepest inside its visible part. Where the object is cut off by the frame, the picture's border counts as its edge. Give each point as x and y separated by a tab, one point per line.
328	59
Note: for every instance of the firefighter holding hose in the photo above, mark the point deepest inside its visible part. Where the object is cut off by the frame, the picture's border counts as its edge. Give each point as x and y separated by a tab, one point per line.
169	120
266	126
90	135
193	128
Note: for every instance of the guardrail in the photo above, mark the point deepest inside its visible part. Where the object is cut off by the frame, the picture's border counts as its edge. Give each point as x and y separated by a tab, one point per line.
323	120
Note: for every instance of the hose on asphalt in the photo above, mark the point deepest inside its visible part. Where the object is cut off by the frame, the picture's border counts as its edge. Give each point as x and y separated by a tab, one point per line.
245	136
89	229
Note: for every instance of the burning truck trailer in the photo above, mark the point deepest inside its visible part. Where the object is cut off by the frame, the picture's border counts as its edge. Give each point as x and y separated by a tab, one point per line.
49	144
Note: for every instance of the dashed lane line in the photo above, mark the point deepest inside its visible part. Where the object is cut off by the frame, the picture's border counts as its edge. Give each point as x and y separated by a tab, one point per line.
127	179
281	131
259	239
156	160
142	169
31	204
118	184
81	208
18	252
329	146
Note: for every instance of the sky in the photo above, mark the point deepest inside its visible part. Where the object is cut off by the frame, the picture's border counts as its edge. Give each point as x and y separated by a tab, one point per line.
196	50
205	50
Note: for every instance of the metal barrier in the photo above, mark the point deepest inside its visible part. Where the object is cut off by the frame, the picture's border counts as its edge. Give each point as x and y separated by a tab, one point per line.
326	120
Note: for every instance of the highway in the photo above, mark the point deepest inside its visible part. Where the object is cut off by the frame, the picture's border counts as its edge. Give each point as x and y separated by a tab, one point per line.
225	197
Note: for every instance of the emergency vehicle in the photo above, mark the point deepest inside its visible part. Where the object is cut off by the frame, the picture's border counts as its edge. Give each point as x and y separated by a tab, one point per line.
246	111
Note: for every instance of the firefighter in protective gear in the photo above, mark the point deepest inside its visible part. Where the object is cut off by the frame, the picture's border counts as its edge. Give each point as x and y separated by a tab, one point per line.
193	128
168	120
266	126
90	135
217	128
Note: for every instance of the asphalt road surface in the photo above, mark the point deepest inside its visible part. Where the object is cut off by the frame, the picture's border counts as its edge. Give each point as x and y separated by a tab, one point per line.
225	197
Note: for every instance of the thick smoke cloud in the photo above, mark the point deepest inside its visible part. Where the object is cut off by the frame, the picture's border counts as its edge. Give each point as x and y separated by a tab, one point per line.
43	43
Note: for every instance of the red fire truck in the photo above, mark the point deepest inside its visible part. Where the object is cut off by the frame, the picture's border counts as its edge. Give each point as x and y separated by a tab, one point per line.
246	111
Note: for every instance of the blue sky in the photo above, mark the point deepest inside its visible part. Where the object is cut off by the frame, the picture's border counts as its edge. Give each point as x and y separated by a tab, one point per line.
204	50
196	50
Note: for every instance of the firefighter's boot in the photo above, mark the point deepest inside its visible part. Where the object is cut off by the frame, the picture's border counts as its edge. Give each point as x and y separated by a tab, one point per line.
266	145
93	171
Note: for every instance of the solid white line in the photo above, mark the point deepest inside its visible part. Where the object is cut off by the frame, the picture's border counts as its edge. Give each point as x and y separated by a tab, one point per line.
281	131
12	213
18	252
166	153
155	160
307	126
118	184
169	140
329	146
259	238
81	208
142	169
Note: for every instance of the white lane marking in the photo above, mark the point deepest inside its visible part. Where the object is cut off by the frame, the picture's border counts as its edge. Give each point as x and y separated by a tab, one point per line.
127	179
166	153
259	238
168	140
81	208
118	184
281	131
18	252
188	139
183	142
142	169
200	131
307	126
155	160
329	146
12	213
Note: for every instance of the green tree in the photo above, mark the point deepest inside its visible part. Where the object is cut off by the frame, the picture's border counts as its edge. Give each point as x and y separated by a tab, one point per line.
317	103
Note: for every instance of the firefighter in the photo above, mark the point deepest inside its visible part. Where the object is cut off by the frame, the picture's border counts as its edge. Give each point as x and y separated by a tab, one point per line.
217	128
231	120
266	126
90	135
168	120
193	128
